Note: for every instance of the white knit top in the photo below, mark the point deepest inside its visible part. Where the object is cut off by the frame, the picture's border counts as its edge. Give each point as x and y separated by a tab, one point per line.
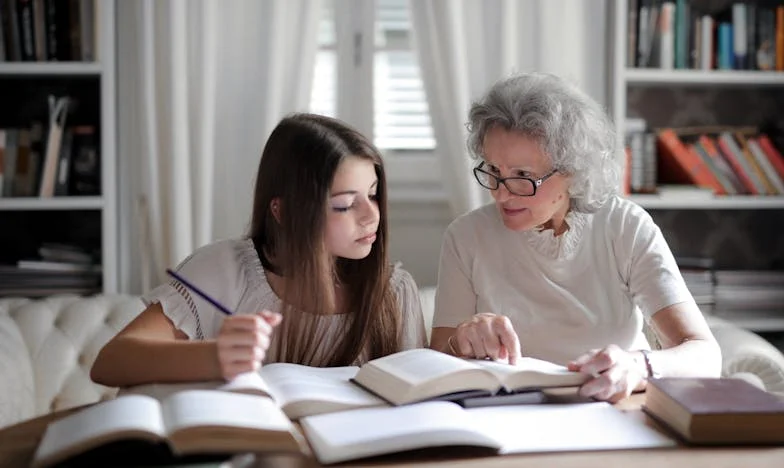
230	271
565	295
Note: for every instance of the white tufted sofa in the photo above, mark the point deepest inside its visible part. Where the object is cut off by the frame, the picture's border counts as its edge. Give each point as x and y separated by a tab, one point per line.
48	346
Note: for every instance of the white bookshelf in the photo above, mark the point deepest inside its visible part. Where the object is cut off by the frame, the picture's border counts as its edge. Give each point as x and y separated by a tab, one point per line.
51	69
651	76
104	70
739	202
625	79
54	203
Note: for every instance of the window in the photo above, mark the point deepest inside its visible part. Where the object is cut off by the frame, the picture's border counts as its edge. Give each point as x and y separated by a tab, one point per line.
377	87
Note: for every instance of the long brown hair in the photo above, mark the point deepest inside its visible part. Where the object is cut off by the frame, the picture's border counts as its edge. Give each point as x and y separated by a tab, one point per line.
297	167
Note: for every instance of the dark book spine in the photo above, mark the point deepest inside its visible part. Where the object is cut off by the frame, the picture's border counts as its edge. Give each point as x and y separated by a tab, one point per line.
13	40
50	20
24	15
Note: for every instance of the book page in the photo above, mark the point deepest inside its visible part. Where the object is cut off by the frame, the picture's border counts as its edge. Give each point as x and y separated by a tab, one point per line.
247	382
367	432
194	408
417	366
304	391
126	416
569	427
532	373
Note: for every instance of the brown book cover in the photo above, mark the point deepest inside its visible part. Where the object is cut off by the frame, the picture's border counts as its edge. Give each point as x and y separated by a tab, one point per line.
716	411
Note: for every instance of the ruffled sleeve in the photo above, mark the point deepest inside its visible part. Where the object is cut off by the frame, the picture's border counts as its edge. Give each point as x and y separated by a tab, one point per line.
214	269
413	324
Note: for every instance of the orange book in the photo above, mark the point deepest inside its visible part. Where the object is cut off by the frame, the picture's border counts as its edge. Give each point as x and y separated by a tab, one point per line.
682	165
780	38
627	171
738	165
775	158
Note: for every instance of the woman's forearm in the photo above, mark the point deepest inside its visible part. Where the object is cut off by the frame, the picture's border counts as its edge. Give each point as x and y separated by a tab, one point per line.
693	358
133	360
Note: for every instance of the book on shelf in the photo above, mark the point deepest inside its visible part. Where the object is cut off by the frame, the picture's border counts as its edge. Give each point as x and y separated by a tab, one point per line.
421	374
298	390
357	434
43	265
680	34
189	422
47	30
681	164
716	411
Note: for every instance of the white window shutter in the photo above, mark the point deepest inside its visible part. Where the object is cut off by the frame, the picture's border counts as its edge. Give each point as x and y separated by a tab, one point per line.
402	120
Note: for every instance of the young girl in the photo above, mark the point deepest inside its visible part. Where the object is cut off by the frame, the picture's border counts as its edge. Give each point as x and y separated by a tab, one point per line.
313	268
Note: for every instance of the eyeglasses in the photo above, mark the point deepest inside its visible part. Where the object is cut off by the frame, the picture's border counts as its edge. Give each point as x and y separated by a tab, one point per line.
521	186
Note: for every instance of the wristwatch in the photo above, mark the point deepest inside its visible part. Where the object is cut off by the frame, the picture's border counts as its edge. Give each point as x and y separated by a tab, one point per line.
650	364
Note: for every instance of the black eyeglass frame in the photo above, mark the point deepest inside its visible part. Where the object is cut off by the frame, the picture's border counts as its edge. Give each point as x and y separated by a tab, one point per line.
535	183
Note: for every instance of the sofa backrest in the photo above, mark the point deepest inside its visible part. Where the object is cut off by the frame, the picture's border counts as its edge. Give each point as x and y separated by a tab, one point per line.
53	343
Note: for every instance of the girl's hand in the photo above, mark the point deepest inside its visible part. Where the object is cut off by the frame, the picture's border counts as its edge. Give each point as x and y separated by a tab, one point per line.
243	341
617	373
486	336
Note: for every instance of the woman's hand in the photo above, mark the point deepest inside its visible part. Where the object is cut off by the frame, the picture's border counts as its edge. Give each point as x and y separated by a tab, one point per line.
243	341
486	336
617	373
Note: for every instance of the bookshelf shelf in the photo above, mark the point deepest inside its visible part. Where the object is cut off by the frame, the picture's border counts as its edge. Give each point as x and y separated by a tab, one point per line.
50	69
652	76
56	203
738	202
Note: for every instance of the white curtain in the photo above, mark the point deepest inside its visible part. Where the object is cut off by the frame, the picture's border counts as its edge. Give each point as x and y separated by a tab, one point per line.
465	46
201	84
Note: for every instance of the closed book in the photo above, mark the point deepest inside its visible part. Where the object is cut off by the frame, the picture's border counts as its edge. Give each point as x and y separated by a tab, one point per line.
716	411
680	164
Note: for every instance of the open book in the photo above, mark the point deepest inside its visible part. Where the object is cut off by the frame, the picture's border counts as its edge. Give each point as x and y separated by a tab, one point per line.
421	374
356	434
189	422
298	390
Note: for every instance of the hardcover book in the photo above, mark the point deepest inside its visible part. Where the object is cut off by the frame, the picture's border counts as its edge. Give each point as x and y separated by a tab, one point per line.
716	411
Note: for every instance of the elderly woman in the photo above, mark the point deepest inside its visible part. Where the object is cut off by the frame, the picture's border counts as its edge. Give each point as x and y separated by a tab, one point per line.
561	268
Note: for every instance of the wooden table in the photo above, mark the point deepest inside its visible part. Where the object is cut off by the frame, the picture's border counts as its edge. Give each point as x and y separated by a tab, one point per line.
18	443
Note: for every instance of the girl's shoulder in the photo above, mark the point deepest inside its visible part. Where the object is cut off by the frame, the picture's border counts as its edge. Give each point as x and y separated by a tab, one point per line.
401	277
220	253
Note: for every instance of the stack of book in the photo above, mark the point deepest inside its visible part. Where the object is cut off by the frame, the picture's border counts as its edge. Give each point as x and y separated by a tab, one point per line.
61	269
698	274
749	293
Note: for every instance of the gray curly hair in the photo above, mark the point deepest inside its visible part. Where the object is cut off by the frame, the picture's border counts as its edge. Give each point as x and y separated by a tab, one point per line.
572	129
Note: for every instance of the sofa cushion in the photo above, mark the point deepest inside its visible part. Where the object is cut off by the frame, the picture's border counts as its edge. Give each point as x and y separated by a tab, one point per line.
17	391
63	335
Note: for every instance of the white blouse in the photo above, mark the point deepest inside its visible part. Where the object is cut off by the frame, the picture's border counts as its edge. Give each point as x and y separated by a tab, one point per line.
230	271
587	288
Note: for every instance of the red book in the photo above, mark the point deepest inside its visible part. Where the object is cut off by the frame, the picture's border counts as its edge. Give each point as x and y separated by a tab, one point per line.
681	164
737	165
775	158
